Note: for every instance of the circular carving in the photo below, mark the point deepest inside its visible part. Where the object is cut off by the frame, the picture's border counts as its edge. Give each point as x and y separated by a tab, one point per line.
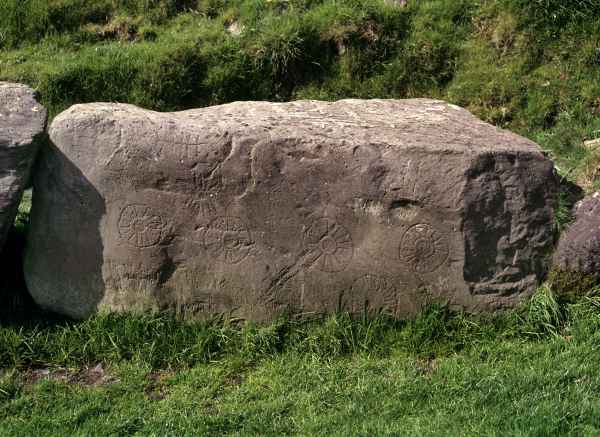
140	226
423	248
288	297
330	245
228	238
370	293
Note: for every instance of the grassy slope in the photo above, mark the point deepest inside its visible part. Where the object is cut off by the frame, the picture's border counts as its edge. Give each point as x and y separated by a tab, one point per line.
530	66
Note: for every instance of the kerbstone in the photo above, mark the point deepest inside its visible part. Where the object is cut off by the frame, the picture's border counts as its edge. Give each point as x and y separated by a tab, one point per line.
258	209
22	127
579	245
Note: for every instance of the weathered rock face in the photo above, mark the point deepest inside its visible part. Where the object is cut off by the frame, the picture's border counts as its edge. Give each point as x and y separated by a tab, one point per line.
22	127
260	208
579	246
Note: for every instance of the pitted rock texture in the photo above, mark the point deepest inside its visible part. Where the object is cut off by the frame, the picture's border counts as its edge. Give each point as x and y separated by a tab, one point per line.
579	245
22	127
257	209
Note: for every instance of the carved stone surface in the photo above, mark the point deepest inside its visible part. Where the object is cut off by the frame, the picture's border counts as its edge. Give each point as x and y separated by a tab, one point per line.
22	126
579	245
306	207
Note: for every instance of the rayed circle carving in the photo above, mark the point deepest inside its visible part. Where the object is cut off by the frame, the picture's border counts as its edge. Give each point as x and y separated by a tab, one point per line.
140	226
423	248
329	244
228	238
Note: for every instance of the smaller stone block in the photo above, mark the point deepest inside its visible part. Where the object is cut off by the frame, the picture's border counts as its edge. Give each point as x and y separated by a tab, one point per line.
22	127
579	246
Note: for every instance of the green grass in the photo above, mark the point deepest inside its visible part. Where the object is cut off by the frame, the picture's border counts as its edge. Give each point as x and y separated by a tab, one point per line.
530	66
530	372
294	394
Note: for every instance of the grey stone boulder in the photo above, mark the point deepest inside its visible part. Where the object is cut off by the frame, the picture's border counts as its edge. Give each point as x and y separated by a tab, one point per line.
22	128
579	245
257	209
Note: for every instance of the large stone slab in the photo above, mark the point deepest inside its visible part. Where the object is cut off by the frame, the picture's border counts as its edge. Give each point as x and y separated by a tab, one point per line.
22	127
258	209
579	246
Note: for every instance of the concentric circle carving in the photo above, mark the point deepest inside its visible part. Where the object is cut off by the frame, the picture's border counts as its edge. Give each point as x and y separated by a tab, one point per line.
330	245
370	293
423	248
140	226
228	238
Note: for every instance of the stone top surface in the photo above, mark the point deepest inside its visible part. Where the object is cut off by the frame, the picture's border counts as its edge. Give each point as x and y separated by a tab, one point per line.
22	118
411	123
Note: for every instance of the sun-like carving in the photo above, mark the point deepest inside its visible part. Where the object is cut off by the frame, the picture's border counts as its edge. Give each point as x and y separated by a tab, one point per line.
329	244
423	248
228	238
140	226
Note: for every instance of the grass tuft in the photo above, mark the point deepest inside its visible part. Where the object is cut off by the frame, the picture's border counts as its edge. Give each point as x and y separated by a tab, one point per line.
164	342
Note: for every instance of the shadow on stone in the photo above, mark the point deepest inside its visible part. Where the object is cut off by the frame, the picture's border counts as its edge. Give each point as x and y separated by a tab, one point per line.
13	292
64	273
17	307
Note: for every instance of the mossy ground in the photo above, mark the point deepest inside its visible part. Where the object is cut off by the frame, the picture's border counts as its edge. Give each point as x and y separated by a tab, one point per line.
531	66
